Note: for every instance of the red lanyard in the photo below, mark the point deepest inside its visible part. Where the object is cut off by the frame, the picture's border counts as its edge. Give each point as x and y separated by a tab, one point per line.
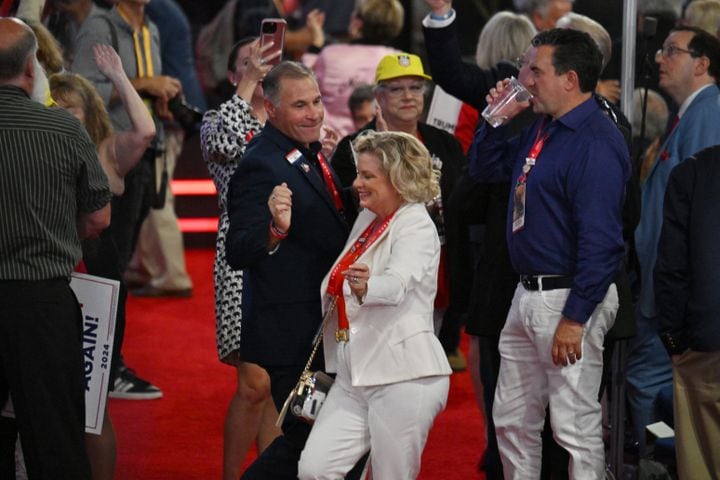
329	182
362	243
534	153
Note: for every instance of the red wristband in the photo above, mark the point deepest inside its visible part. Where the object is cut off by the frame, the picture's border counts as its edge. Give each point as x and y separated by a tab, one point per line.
276	232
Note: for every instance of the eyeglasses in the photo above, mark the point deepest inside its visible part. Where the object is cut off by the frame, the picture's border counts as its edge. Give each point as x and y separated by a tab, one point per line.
670	50
396	90
519	62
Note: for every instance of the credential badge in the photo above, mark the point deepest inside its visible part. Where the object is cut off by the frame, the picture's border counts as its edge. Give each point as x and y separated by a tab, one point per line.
293	156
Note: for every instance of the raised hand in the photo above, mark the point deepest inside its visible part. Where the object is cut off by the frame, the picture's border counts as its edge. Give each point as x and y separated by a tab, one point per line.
280	204
108	61
314	22
511	109
329	141
258	64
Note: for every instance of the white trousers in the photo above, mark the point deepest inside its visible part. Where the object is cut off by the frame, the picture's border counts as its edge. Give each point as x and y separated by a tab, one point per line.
528	380
392	421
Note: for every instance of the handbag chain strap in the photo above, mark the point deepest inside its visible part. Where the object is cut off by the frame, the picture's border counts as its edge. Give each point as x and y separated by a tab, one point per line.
319	336
306	370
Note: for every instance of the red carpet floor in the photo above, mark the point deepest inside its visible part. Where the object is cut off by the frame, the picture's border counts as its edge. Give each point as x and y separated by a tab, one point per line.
171	342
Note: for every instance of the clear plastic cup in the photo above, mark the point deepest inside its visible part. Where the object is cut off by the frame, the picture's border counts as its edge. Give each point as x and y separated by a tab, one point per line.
497	112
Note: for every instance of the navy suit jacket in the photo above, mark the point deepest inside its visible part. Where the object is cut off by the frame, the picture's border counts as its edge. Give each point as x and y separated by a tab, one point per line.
687	272
284	311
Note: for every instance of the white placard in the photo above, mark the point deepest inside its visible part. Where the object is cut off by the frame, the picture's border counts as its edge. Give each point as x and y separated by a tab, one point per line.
660	430
444	111
98	299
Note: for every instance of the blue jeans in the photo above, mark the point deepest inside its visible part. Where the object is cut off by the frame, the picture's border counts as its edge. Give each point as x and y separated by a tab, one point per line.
648	370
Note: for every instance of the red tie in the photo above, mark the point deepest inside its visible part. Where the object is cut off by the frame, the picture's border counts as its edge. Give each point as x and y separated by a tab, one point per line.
671	126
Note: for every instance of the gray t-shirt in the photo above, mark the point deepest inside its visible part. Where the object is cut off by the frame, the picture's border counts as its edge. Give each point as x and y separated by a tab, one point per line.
111	29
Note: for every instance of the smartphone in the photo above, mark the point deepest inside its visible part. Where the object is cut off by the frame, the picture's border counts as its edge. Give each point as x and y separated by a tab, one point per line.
273	30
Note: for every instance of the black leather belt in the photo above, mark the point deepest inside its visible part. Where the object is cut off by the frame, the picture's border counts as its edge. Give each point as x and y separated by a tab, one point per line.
533	282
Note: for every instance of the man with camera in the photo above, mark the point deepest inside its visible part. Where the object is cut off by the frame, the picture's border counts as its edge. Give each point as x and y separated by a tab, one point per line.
137	42
158	266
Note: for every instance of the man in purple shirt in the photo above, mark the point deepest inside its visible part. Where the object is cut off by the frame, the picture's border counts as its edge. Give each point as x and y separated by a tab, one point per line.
569	171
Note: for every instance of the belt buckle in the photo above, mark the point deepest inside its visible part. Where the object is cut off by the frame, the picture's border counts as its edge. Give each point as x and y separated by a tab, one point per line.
525	280
342	335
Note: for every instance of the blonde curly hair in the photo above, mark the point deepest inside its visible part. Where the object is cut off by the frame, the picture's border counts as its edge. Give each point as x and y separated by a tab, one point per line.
97	120
49	52
406	162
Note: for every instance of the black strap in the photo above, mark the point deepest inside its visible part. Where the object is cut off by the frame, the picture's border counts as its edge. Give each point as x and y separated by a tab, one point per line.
113	32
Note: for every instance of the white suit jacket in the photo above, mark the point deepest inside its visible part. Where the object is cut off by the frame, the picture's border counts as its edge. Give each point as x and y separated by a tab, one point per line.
391	332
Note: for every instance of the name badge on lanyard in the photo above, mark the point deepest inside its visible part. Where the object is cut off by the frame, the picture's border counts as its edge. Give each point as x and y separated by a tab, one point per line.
518	215
520	195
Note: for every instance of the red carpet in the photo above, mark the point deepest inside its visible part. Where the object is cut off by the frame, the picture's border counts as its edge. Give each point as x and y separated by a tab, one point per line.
171	342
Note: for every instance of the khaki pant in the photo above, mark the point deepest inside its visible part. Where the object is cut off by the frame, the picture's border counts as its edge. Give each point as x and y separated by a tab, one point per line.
696	381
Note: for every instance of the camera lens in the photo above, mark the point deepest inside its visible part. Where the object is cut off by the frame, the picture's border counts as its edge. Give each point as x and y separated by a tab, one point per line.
269	27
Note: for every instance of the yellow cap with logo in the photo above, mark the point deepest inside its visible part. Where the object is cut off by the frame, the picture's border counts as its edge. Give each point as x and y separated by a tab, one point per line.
399	65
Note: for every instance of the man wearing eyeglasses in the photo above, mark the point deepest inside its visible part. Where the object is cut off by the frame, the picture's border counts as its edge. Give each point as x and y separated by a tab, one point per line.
689	66
401	83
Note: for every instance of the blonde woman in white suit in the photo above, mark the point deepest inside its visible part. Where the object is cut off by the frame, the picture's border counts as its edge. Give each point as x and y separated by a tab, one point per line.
392	373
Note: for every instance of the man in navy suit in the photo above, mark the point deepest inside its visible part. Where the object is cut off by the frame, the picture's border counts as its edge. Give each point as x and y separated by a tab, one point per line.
687	274
289	220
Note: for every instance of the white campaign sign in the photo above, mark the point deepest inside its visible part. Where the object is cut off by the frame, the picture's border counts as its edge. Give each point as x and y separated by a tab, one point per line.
98	299
444	111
